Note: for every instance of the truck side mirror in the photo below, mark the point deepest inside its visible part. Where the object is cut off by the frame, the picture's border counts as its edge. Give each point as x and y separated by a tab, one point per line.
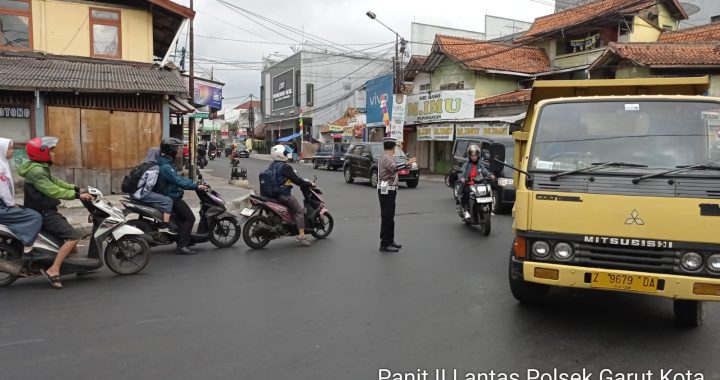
497	157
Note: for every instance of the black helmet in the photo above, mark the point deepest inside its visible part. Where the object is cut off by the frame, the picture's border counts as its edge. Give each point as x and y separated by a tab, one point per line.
170	146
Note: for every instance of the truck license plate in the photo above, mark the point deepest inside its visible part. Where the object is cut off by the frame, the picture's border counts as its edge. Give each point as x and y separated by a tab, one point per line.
634	283
246	212
404	172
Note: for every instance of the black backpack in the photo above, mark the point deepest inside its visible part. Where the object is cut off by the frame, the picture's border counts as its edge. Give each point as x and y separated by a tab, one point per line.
269	181
131	182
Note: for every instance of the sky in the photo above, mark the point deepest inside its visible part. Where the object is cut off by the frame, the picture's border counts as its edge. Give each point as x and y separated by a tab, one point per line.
218	28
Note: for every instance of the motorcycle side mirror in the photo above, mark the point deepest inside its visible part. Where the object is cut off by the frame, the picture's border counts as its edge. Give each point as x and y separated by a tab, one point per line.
497	157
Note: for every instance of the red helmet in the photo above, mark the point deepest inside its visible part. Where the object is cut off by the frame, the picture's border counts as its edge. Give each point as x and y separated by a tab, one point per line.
38	149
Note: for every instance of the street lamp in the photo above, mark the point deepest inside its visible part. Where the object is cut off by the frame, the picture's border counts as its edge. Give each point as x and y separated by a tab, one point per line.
398	40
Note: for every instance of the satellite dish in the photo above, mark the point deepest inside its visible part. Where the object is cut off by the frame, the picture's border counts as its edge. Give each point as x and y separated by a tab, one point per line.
690	9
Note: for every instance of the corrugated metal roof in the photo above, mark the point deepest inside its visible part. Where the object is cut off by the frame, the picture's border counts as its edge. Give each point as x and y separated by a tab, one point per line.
31	71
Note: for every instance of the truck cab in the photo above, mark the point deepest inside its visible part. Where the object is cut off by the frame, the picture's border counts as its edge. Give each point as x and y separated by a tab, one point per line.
618	189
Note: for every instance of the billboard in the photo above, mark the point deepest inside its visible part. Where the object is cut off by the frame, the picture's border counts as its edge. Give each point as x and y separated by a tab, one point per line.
376	89
442	105
398	121
283	90
206	93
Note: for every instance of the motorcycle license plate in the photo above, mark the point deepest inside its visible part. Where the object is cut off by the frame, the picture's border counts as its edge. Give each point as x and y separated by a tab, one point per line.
484	200
630	282
404	172
246	212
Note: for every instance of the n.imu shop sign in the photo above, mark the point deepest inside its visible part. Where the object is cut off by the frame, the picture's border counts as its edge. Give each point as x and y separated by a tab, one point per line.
442	105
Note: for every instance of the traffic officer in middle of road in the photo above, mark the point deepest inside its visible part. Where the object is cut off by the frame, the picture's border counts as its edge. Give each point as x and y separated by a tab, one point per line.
388	170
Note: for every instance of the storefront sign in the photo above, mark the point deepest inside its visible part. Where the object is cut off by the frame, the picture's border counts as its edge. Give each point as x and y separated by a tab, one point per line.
200	115
15	112
441	132
474	131
336	129
442	105
376	89
349	131
397	122
283	90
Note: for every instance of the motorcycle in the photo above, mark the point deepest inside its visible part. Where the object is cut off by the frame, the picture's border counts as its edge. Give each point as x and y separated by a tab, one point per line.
451	179
235	160
201	161
212	154
216	224
479	204
268	219
124	247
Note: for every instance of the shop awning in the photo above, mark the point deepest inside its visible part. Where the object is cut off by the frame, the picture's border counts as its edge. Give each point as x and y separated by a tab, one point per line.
180	106
289	138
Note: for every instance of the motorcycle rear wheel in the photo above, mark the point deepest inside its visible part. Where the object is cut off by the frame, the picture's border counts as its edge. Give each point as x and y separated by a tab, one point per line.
323	226
137	256
9	253
250	234
225	232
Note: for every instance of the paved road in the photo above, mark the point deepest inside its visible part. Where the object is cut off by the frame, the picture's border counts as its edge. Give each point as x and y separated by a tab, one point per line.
337	310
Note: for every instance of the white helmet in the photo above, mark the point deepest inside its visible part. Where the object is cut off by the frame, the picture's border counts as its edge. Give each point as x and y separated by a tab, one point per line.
278	153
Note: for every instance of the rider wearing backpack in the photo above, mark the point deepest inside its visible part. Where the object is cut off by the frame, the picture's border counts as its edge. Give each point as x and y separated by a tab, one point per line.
140	184
285	177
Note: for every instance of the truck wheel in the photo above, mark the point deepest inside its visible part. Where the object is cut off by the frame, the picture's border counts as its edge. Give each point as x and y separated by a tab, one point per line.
373	177
498	207
328	165
527	293
688	313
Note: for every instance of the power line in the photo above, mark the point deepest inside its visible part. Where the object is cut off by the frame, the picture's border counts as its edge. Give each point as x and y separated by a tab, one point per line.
286	43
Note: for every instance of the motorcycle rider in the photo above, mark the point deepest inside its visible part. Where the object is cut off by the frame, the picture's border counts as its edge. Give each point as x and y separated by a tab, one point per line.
286	177
172	185
146	194
43	193
471	169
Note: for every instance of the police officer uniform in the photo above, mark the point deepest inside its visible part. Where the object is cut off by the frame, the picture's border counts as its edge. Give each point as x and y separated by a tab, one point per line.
387	193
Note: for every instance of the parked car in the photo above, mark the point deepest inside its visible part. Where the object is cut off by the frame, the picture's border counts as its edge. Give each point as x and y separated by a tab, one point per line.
503	186
330	156
361	161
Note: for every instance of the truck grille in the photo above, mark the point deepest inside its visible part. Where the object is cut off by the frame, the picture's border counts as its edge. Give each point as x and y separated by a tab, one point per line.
648	260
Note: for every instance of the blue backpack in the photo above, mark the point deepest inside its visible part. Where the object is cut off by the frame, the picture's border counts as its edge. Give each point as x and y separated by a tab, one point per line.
270	181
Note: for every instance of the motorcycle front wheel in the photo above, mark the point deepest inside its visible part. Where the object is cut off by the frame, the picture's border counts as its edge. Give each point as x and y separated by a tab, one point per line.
225	233
252	232
323	226
9	253
486	224
128	255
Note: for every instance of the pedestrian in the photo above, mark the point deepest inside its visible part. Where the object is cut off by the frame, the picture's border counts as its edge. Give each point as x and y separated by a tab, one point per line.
387	193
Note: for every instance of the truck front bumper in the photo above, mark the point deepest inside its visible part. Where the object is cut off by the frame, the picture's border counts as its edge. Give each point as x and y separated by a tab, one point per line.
673	286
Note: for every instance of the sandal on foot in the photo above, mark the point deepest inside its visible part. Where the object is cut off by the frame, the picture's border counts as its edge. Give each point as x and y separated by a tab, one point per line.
54	280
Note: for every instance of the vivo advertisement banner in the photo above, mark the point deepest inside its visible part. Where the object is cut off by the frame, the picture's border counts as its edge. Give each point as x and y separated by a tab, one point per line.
207	93
375	90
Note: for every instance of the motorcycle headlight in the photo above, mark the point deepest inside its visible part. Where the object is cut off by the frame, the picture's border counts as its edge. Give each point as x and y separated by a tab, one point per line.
541	249
503	182
691	261
480	189
563	251
713	263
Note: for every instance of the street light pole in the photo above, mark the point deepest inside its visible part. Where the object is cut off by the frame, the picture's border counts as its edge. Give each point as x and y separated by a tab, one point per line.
396	61
191	84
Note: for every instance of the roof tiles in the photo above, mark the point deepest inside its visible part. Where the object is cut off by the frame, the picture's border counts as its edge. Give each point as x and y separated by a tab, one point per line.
703	33
663	54
484	56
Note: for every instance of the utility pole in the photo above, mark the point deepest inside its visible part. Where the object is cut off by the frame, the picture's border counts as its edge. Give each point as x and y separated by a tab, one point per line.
191	82
396	64
251	116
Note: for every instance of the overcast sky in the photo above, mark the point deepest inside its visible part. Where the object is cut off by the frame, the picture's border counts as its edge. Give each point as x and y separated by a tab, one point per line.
340	21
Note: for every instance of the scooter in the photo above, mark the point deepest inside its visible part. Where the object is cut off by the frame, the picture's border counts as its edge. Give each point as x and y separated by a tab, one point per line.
201	161
479	207
235	160
125	248
216	224
212	154
268	219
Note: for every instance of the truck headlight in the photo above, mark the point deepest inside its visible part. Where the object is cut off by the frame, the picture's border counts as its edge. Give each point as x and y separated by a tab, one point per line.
541	249
691	261
504	182
563	251
713	263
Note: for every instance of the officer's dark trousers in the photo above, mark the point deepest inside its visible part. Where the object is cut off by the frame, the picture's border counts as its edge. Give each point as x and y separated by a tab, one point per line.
387	215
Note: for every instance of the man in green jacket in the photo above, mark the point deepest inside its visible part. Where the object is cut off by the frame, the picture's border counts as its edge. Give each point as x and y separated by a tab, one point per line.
43	193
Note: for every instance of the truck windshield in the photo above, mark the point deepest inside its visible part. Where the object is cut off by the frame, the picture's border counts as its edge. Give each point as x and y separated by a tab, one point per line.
656	134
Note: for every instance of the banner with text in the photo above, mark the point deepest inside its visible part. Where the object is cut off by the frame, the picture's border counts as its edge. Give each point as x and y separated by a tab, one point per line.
440	132
397	122
442	105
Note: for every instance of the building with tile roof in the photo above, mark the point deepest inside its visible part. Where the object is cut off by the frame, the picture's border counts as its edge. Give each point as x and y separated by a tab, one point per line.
107	92
704	33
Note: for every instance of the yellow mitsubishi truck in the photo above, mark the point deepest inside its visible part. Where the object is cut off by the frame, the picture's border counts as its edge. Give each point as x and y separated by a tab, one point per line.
618	189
